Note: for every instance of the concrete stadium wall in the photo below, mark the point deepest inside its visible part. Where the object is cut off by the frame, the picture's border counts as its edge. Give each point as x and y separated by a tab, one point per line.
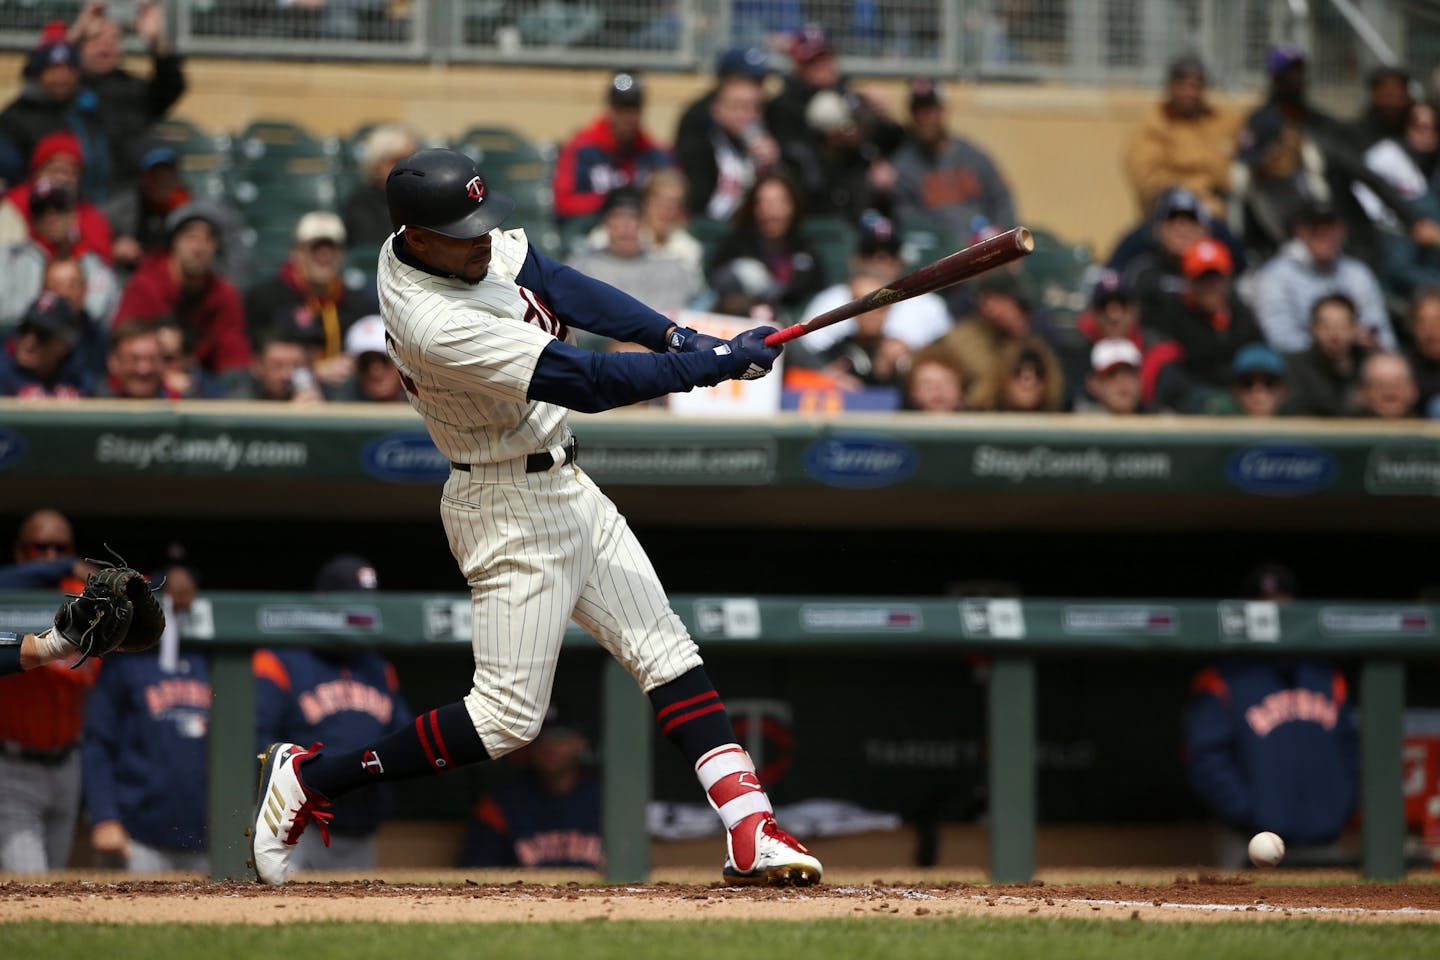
1059	146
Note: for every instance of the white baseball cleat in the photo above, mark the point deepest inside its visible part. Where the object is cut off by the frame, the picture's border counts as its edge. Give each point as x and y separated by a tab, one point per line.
761	853
284	807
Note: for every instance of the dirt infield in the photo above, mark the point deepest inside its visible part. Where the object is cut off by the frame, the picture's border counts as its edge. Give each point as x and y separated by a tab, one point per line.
1186	897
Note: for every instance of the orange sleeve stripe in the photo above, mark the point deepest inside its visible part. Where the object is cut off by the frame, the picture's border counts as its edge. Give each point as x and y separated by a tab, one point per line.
266	666
1209	681
1339	689
487	811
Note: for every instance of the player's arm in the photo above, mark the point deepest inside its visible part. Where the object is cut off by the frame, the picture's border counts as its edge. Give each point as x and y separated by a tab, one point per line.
592	382
26	652
595	306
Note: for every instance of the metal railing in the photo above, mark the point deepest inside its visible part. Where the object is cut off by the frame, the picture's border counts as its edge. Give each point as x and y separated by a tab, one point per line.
1086	42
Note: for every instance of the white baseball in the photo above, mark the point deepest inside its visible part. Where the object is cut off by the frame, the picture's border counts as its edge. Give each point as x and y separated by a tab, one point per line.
1266	849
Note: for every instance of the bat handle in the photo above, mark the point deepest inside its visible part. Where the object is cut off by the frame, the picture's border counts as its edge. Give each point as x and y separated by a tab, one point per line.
784	336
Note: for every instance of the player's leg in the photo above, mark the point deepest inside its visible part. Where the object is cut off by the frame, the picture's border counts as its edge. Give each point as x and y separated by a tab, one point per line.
624	606
62	811
522	551
22	822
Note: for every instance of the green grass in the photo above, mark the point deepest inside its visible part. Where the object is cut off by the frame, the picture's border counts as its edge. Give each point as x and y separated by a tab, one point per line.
879	938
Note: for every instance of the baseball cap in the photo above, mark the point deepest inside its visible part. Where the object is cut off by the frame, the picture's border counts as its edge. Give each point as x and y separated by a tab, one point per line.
366	335
1281	57
810	43
923	93
625	90
51	315
1257	358
828	112
1207	256
1179	202
159	155
1316	212
1111	286
51	55
47	195
320	225
877	235
297	324
1114	352
743	62
346	572
61	143
559	724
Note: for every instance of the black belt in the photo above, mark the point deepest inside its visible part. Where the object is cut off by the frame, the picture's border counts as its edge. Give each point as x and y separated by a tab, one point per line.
47	758
535	462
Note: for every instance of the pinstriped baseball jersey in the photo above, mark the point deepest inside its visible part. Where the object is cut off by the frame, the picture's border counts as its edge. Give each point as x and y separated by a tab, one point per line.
467	353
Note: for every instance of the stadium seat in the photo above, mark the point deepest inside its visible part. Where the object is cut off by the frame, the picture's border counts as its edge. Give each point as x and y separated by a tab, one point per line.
833	241
1058	272
265	147
188	138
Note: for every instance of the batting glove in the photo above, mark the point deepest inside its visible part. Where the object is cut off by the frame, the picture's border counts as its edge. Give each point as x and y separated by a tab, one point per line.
686	340
747	357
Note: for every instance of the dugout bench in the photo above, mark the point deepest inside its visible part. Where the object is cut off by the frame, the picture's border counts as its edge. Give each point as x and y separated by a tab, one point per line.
1013	633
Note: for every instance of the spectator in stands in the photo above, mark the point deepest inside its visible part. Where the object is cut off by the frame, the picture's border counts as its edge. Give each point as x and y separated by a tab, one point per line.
67	278
365	214
722	157
946	179
1296	154
42	361
54	236
309	293
816	69
182	374
1307	268
281	370
549	816
1270	743
1148	260
663	224
135	366
1003	315
137	214
839	171
186	285
41	714
1386	109
614	151
750	63
145	750
867	356
1025	378
744	288
1257	385
1408	162
1202	328
1387	388
1425	356
58	158
917	322
1113	384
1183	141
376	379
652	276
52	100
1113	314
1323	380
767	229
934	383
342	696
129	104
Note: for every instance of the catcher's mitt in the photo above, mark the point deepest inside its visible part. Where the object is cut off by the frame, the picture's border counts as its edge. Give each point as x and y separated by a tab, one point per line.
122	582
96	622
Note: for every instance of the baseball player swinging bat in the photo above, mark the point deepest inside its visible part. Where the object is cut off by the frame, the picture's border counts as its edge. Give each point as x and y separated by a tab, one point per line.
958	267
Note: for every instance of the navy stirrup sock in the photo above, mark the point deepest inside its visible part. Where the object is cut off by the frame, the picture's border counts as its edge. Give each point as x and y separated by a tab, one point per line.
436	742
691	715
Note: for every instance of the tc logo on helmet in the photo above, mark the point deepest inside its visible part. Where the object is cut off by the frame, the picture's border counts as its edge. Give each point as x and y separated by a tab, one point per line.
475	189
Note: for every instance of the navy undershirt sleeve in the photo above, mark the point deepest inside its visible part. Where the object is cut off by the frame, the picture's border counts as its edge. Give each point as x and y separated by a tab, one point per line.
592	382
9	654
591	304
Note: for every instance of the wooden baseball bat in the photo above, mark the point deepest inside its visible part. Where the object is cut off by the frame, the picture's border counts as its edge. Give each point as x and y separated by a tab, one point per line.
958	267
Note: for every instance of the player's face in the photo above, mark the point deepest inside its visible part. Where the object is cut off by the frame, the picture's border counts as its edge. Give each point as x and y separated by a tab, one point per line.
468	259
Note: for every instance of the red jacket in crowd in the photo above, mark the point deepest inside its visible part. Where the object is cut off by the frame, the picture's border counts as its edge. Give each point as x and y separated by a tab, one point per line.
215	315
592	164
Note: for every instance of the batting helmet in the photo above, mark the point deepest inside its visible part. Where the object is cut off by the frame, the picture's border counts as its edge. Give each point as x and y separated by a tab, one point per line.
442	190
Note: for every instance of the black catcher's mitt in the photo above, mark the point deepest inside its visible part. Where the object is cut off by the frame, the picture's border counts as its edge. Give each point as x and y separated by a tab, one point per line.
122	582
96	622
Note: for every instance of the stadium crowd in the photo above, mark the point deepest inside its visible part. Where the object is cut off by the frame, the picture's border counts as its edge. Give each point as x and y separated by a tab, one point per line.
1288	262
